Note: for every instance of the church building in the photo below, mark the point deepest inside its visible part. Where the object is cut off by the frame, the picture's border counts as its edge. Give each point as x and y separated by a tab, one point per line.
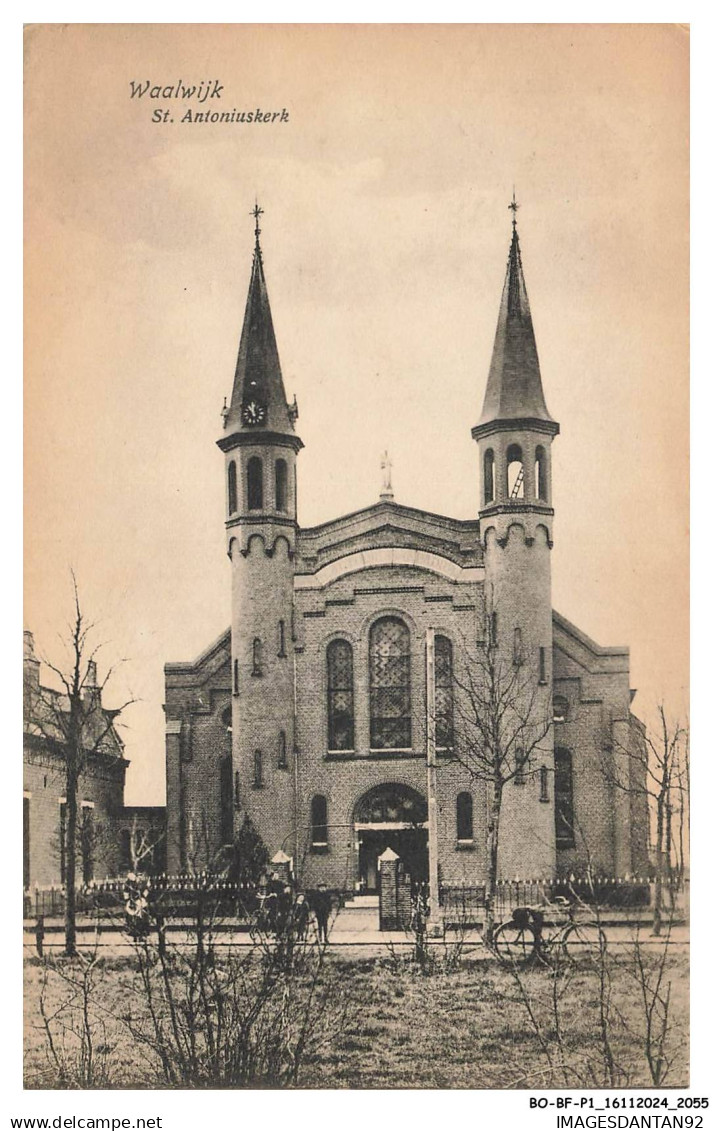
316	713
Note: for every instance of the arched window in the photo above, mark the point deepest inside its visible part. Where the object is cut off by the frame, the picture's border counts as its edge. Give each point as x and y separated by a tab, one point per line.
517	656
340	696
281	640
258	780
282	751
236	678
390	684
488	461
444	692
255	483
257	656
519	775
544	784
493	629
464	817
232	488
226	800
516	472
564	799
541	474
560	708
280	485
319	821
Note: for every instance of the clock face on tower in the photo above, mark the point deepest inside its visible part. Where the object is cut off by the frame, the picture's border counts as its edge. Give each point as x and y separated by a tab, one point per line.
253	412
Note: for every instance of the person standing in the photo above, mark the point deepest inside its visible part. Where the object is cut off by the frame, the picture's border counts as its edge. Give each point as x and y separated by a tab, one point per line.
322	905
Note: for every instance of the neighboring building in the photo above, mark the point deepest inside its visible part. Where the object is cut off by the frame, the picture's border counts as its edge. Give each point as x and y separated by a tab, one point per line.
103	820
309	713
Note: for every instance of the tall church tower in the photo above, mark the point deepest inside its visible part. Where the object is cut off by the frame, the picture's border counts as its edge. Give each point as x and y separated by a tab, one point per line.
260	447
514	435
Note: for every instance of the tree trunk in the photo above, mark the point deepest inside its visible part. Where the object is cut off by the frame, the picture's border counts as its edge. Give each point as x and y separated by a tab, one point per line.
658	881
670	886
70	870
492	874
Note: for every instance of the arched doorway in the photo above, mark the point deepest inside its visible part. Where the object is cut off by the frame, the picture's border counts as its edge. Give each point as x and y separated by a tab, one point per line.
391	816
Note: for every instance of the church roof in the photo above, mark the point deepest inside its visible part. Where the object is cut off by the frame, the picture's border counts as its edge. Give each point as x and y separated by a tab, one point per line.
514	388
258	376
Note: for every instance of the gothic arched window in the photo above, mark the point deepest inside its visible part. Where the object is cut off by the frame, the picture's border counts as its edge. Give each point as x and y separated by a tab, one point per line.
444	692
516	472
464	816
319	821
390	684
280	485
232	488
340	696
488	461
282	751
257	656
255	483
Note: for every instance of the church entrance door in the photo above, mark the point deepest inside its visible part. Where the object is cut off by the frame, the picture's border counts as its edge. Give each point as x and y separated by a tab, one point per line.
410	844
391	816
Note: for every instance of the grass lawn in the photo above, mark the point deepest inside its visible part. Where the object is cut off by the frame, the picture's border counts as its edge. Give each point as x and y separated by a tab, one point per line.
476	1027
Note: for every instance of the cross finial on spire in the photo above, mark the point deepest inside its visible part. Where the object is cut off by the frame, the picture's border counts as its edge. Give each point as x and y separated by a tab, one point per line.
257	212
513	206
387	492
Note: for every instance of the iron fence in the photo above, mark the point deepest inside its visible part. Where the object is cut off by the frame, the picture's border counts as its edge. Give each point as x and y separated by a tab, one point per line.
175	896
617	896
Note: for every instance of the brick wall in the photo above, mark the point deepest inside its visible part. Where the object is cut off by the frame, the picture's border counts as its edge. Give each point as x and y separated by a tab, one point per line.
44	783
449	595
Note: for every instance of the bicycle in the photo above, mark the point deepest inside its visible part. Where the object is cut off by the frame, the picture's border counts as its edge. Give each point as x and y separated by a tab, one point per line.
522	941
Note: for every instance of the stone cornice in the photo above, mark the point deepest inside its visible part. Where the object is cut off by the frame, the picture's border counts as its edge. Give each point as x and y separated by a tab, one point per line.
259	440
519	424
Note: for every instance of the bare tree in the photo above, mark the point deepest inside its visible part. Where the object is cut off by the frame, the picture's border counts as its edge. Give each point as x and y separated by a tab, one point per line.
143	844
655	766
74	723
502	715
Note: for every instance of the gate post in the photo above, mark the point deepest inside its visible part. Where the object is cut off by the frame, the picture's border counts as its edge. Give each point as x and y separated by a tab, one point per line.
388	864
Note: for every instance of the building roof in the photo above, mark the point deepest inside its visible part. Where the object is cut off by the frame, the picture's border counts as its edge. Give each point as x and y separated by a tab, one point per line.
514	389
257	374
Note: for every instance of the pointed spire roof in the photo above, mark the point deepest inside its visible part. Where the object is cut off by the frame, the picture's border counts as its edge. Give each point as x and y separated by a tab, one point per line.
514	388
258	377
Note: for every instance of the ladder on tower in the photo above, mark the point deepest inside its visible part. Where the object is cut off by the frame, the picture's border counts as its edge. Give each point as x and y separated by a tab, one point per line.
516	492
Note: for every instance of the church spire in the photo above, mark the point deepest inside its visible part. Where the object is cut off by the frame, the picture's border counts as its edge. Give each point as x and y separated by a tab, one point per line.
258	401
514	388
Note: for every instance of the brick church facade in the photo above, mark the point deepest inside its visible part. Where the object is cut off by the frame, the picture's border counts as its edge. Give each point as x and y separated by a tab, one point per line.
311	713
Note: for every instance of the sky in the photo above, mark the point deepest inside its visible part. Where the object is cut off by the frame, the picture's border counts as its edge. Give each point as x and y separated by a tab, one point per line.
385	237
